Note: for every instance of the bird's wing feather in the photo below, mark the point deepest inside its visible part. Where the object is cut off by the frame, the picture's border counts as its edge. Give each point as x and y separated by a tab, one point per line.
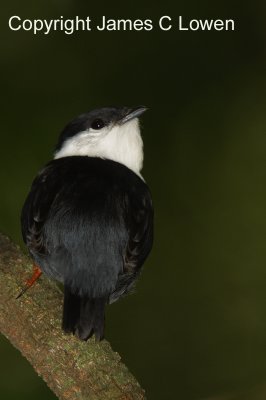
35	210
140	223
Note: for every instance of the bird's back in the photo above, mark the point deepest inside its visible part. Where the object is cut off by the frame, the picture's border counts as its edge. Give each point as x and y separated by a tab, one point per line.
80	214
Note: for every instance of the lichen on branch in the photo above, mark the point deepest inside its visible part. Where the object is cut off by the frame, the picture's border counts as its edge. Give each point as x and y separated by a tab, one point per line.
72	369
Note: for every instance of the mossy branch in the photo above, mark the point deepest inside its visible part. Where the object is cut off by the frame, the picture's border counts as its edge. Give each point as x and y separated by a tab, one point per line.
72	369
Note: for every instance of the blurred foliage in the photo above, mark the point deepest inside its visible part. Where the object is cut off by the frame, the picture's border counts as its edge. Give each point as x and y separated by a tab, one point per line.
196	327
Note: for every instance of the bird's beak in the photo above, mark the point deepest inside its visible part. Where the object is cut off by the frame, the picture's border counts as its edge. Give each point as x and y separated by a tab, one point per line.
132	113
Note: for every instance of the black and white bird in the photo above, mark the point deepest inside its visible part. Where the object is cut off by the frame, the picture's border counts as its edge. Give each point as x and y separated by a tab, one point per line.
88	218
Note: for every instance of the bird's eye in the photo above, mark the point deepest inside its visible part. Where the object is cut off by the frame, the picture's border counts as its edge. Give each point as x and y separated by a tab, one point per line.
97	124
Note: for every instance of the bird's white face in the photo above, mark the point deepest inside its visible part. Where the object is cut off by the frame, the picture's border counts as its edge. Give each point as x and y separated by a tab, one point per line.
120	143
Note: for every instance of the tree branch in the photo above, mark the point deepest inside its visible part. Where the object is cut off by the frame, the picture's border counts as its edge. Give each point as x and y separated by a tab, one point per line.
72	369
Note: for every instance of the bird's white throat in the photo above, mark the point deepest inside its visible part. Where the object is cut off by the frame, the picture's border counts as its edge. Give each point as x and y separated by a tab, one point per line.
120	143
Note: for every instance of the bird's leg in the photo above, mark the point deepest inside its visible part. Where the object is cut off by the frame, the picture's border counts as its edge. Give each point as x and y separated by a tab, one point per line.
36	274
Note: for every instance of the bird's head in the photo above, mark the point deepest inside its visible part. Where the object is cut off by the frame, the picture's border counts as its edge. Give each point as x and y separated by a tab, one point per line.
109	133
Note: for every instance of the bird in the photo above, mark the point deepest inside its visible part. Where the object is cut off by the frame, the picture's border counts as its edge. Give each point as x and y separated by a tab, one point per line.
87	220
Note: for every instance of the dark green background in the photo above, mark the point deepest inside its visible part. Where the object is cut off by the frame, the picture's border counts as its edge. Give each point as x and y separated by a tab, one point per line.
196	326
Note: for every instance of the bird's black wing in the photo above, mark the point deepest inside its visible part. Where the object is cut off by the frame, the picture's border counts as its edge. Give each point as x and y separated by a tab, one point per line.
139	219
36	209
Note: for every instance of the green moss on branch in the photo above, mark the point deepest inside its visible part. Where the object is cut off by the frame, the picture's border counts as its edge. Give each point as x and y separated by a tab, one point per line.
72	369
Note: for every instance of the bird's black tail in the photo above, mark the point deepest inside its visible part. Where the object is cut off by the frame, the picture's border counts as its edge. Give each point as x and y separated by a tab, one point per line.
83	316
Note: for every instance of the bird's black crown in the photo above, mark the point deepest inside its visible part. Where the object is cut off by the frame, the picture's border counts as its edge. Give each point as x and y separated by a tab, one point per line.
97	119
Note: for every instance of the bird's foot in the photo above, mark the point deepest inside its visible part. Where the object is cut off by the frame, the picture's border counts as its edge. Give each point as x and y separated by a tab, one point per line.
36	274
